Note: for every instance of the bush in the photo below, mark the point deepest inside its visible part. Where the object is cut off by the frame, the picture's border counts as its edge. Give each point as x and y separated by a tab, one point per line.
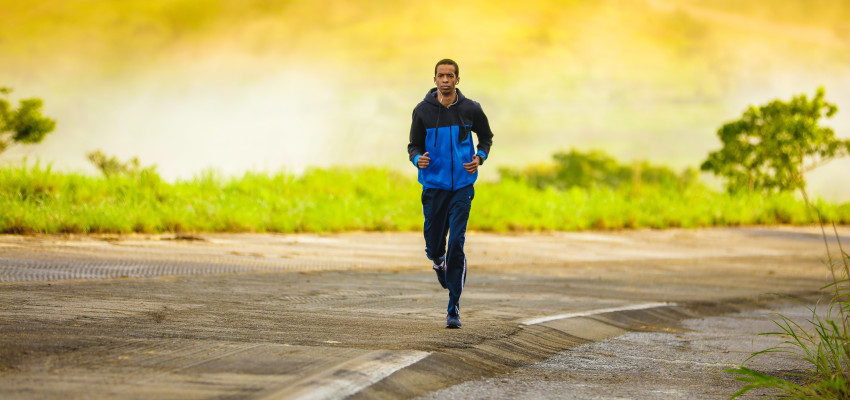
595	168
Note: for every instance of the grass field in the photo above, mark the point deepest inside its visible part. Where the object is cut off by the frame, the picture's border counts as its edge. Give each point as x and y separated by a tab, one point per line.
35	199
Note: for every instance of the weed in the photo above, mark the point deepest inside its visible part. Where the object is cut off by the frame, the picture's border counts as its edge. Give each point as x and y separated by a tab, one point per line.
826	348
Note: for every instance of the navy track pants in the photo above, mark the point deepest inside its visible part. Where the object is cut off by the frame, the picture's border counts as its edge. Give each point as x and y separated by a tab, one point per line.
447	212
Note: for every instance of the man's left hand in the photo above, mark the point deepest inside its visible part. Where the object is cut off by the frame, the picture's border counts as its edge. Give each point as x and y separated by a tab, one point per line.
472	166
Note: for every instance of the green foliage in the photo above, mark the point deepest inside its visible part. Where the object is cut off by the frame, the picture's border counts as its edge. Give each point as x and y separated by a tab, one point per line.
516	205
772	146
597	169
35	199
25	124
825	390
111	166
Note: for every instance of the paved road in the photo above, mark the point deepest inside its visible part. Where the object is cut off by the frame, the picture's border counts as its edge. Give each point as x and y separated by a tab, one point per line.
682	362
361	315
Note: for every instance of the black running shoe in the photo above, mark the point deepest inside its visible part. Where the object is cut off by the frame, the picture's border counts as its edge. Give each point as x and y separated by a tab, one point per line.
453	321
441	274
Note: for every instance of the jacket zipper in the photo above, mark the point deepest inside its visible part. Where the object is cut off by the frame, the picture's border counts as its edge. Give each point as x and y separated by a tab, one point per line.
452	151
451	141
437	127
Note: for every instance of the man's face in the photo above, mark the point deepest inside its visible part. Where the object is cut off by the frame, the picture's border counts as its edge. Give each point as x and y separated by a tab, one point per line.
446	79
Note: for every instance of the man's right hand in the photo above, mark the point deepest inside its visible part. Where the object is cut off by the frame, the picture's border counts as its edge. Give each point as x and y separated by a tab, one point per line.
423	161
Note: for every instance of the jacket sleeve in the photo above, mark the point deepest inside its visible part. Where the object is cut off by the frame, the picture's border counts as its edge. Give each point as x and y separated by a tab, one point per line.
416	145
481	127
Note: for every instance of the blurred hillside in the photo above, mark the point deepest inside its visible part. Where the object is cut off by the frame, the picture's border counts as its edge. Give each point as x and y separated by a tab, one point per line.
238	85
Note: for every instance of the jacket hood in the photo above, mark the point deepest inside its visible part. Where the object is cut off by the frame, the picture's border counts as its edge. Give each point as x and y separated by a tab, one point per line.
431	97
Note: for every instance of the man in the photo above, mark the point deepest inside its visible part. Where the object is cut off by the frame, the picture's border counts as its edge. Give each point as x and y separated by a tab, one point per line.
441	147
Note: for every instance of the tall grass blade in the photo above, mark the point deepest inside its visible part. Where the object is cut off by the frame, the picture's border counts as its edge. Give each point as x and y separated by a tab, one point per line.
827	350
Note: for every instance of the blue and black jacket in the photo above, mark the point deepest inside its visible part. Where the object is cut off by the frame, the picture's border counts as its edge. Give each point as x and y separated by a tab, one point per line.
443	132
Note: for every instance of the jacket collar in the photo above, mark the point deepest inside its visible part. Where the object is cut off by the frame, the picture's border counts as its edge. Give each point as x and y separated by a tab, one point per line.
431	97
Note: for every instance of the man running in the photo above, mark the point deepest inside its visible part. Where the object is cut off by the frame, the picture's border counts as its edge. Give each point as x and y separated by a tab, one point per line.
441	147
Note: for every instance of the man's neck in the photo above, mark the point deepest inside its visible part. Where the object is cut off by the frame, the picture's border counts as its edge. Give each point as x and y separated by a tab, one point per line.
446	100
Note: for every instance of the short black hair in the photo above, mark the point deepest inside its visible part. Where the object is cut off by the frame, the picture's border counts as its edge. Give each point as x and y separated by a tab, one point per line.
447	61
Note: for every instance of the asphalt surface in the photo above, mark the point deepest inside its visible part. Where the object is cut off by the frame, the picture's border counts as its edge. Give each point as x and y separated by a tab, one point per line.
685	362
632	314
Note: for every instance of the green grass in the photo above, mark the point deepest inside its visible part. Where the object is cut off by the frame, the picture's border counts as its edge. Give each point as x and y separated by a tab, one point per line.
35	199
823	342
514	205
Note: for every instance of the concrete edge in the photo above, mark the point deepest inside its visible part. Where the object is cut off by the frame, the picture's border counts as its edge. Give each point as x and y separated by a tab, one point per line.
537	342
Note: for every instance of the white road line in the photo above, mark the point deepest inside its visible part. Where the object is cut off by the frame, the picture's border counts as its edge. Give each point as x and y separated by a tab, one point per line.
350	377
588	313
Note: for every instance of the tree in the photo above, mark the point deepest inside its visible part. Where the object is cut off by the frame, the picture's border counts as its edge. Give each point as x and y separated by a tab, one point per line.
773	146
25	125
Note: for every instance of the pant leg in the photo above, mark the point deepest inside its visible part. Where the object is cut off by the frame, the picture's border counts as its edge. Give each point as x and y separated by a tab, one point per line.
461	204
435	209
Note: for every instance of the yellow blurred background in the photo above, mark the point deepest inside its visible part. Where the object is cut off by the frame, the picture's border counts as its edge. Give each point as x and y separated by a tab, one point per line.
242	85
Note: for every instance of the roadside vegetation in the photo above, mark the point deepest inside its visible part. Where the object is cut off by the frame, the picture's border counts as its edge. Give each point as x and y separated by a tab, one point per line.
770	149
823	342
577	191
36	199
764	157
22	125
